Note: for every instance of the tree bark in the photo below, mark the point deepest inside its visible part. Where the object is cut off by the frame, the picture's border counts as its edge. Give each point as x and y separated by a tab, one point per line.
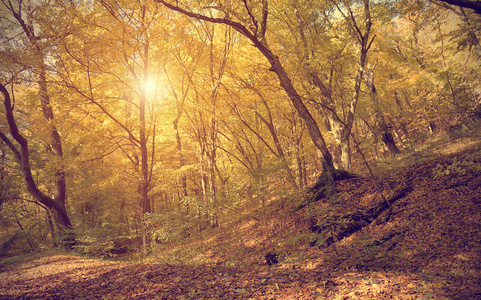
302	110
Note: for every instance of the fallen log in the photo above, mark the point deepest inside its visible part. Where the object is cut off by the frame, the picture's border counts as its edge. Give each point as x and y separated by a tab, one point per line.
342	226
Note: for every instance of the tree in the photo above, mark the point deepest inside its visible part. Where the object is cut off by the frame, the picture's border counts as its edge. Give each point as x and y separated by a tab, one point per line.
357	22
33	35
253	25
268	121
22	155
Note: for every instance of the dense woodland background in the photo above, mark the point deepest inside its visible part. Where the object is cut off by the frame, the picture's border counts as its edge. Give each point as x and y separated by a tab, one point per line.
146	127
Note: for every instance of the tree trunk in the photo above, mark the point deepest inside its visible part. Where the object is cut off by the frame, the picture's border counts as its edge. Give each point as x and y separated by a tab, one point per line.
300	167
388	139
386	135
400	120
183	178
269	122
304	113
342	151
55	144
145	206
340	129
203	205
51	227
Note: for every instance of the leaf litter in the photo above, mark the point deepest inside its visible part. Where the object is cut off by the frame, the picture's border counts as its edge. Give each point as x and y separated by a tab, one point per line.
64	276
428	249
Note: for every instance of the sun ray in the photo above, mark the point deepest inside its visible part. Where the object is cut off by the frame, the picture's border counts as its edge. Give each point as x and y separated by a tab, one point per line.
150	87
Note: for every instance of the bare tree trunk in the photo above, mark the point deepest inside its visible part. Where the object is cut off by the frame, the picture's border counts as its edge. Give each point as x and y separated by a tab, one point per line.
384	129
475	5
51	227
145	175
183	178
212	185
203	208
300	169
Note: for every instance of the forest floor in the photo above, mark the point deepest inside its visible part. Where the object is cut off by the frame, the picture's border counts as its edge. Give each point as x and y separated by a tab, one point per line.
427	246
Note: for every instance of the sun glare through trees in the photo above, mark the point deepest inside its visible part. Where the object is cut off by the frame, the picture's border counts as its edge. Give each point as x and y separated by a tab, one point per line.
151	88
217	132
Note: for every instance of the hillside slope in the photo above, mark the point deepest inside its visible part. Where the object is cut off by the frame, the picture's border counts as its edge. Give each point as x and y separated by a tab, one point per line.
432	232
427	246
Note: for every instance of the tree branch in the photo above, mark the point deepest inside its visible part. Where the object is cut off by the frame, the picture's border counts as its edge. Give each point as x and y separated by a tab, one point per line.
237	26
11	146
23	154
474	5
253	19
265	13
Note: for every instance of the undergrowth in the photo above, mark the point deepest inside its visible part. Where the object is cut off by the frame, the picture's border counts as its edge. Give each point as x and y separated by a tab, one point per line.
277	227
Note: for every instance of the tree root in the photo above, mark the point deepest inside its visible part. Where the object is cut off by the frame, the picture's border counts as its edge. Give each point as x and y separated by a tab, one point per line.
324	187
339	227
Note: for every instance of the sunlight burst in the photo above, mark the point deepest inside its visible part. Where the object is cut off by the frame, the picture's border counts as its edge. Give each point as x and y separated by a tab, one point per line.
150	87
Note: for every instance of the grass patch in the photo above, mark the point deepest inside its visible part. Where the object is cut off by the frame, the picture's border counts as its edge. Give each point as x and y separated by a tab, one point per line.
12	260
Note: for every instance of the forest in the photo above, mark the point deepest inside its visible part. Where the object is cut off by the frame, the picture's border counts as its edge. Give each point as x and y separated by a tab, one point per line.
232	132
